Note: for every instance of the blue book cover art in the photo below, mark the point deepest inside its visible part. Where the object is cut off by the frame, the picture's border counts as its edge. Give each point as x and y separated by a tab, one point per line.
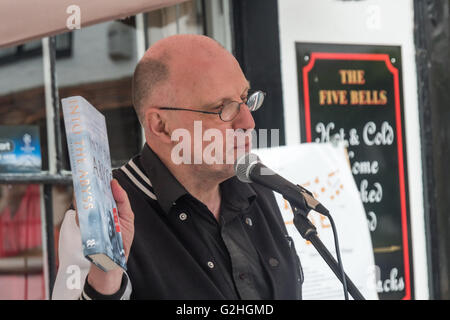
91	171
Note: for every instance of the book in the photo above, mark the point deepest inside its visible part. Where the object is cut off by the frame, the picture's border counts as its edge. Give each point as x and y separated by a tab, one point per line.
90	162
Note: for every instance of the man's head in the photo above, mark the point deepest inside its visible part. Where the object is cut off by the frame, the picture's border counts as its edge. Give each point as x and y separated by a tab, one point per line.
195	72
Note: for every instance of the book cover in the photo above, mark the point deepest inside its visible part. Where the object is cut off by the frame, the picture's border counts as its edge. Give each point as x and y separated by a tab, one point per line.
91	171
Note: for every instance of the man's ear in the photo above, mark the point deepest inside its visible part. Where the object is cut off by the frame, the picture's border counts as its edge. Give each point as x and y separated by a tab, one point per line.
157	124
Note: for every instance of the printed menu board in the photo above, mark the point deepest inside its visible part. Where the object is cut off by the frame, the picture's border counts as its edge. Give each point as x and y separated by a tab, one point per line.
353	94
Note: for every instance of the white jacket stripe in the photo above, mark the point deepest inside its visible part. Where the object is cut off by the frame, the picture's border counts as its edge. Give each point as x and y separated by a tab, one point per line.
139	172
137	183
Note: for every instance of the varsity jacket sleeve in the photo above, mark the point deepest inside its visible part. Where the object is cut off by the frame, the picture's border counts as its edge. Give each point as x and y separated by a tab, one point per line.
70	283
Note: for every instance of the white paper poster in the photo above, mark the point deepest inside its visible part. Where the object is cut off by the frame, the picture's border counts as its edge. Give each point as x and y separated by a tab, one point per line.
324	170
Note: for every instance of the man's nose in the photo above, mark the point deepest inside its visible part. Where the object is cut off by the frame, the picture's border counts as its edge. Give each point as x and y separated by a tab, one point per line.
244	120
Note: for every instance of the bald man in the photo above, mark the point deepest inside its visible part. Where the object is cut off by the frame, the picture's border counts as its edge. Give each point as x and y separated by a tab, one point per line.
191	229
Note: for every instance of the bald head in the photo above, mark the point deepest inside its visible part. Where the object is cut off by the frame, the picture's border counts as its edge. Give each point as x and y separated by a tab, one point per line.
171	64
183	81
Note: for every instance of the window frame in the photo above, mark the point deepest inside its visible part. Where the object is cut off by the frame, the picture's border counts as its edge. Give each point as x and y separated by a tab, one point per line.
56	175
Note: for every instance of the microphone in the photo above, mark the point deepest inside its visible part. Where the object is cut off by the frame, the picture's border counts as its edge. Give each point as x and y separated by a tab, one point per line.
249	168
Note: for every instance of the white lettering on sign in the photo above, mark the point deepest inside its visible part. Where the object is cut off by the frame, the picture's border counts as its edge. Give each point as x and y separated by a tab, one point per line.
372	221
373	195
365	167
384	137
392	284
327	136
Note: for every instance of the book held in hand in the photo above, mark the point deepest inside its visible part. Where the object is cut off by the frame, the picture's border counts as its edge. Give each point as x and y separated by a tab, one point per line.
90	161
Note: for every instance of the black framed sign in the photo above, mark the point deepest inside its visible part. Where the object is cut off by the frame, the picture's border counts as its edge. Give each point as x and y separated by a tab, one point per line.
353	94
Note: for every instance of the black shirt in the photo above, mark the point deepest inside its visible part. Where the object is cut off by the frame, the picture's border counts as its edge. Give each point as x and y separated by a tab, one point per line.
180	251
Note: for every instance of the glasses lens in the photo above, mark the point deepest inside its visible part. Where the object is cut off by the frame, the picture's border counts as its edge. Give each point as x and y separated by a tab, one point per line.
255	101
229	111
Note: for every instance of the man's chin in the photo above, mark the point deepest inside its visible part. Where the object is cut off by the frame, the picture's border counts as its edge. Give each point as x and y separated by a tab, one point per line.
221	172
240	151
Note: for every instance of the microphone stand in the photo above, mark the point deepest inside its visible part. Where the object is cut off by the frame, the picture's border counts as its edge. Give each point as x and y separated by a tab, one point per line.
309	232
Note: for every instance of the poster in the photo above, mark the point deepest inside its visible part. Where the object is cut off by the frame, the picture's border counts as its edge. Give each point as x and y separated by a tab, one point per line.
353	94
324	170
20	150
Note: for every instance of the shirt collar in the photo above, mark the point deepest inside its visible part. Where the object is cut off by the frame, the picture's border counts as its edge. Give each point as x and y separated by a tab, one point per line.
237	197
166	187
235	194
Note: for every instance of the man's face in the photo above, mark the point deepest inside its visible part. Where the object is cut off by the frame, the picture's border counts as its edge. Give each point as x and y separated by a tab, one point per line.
207	85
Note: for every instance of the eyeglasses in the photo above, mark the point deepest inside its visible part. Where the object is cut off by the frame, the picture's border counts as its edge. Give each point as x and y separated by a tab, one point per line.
230	110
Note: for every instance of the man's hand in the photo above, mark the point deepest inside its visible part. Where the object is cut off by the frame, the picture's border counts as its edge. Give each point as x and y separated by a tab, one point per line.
109	282
126	215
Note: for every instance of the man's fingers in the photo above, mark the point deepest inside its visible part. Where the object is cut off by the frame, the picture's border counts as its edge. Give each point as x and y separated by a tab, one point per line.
121	197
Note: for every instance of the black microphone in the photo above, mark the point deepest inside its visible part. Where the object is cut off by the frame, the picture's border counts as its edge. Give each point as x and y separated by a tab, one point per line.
249	168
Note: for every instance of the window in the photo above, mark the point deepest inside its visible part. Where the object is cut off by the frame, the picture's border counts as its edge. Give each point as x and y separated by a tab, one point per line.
23	149
96	62
21	257
101	69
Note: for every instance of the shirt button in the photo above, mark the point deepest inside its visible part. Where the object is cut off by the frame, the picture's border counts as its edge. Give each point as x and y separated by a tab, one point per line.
249	222
183	216
210	264
242	276
273	262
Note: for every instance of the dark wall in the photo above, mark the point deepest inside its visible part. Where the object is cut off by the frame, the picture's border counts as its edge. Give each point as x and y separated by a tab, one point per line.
432	38
257	48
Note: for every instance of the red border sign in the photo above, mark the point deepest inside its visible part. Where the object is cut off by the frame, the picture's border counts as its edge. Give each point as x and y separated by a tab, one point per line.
370	57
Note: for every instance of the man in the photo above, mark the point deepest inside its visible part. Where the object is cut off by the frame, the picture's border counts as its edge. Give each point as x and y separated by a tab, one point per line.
192	230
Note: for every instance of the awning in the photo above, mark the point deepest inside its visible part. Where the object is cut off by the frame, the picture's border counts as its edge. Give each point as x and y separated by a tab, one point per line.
25	20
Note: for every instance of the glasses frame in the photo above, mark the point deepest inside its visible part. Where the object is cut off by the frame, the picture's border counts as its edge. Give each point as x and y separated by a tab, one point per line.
221	108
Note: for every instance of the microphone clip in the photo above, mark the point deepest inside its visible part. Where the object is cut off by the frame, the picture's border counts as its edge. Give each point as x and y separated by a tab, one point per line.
312	203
